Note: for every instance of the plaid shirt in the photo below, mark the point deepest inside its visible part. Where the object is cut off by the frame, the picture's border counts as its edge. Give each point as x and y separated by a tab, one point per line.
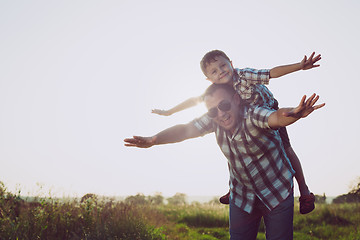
249	83
257	161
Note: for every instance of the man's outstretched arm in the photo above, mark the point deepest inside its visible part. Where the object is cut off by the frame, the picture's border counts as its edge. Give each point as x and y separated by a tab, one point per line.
286	116
173	134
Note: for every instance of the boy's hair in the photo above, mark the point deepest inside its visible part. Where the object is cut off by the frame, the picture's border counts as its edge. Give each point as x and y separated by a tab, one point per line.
210	57
213	87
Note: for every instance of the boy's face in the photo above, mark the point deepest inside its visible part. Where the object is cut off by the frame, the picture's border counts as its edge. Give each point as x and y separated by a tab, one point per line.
219	71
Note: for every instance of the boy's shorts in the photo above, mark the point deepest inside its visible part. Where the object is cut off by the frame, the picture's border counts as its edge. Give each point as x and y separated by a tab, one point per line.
284	137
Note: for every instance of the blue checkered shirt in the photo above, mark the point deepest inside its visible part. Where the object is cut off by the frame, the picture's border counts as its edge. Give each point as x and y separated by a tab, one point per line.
257	161
249	84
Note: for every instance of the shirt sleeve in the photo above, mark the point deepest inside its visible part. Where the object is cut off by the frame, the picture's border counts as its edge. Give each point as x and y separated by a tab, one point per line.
204	124
259	116
254	76
247	78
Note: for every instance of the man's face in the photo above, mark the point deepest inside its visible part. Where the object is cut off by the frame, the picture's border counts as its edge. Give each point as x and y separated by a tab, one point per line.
219	71
227	119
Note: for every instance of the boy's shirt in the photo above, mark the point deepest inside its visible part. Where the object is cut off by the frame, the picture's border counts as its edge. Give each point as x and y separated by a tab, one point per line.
249	84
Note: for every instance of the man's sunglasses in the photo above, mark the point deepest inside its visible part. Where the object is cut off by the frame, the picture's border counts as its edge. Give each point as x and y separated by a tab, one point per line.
224	106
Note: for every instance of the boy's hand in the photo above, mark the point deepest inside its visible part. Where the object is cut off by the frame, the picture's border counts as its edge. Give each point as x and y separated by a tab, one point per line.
140	142
306	64
161	112
305	107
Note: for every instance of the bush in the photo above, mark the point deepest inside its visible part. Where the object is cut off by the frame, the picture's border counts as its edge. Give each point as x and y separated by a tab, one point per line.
352	197
89	219
177	199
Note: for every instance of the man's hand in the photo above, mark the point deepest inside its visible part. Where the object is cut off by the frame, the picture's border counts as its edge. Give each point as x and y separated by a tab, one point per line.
306	64
140	142
305	107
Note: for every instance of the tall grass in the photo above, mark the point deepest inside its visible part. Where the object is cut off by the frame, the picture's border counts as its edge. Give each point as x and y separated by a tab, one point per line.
90	219
93	218
197	221
329	221
198	215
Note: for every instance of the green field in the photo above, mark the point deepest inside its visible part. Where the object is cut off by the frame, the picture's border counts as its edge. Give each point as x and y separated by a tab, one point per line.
103	218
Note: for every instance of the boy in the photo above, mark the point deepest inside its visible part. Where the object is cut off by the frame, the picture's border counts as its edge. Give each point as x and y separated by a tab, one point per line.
249	83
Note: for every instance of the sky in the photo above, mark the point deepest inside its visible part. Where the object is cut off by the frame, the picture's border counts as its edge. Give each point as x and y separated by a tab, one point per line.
77	77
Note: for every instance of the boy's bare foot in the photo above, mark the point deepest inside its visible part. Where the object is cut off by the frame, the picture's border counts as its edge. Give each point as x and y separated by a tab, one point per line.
307	203
225	199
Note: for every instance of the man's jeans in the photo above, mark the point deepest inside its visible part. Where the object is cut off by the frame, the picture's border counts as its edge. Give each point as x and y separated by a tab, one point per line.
278	222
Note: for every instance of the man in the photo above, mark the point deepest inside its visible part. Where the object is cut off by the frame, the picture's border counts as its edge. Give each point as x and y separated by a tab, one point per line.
261	183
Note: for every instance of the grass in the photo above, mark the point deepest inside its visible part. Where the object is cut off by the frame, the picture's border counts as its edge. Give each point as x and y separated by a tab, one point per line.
329	221
96	218
196	221
89	219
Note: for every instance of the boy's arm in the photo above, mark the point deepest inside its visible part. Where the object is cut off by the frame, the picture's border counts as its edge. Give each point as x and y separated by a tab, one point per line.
305	64
191	102
173	134
286	116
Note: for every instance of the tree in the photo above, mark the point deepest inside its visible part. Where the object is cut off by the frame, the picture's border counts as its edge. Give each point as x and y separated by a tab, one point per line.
352	197
320	199
157	199
214	201
138	199
89	197
177	199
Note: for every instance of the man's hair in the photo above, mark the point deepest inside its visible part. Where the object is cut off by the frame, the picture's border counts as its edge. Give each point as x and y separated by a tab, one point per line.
210	57
213	87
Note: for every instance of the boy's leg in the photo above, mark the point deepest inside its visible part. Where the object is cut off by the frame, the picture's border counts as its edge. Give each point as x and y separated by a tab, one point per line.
307	199
279	221
295	162
299	175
